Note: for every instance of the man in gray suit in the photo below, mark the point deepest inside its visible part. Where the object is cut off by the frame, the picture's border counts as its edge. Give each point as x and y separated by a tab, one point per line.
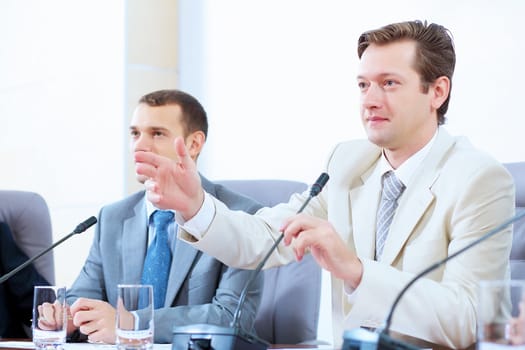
200	289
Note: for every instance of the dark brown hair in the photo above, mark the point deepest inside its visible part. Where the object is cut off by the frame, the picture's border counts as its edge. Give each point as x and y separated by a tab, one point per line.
193	114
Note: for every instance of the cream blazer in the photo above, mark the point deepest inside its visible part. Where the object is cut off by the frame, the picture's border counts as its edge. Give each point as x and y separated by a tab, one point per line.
457	194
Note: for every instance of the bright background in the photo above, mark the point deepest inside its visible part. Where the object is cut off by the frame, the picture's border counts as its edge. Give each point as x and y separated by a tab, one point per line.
277	78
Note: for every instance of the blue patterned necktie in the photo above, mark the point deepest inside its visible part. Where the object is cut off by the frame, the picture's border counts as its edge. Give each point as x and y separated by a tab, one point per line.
158	258
392	190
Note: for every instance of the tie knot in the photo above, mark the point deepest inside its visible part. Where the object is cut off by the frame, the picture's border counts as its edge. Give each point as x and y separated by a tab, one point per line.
392	187
162	218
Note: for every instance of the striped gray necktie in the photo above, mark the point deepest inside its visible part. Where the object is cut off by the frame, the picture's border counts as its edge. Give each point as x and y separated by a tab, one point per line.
392	190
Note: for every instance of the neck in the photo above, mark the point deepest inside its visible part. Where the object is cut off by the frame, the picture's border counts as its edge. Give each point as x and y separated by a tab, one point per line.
397	156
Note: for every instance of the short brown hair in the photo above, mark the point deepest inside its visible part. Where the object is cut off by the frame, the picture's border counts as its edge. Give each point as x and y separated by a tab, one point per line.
193	114
435	55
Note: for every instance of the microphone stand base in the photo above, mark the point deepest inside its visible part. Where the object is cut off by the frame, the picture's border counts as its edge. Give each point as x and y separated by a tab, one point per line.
362	339
207	336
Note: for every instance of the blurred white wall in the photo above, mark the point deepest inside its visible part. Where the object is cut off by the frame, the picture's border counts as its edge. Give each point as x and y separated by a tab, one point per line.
61	110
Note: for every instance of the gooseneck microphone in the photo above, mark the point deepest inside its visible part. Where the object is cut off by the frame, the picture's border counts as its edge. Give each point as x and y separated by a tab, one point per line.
207	336
357	339
314	191
83	226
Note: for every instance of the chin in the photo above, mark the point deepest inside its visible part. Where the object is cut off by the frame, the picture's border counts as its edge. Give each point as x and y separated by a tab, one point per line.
379	139
376	140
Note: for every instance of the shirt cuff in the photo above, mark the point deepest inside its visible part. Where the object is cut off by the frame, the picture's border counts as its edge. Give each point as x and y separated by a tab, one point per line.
351	293
199	224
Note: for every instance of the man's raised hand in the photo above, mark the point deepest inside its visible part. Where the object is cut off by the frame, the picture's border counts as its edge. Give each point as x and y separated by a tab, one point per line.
171	184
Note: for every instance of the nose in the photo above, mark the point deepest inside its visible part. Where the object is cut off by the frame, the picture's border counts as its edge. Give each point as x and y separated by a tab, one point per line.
141	143
372	97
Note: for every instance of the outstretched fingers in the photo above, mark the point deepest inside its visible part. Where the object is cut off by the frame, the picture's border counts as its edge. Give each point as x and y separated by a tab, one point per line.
171	184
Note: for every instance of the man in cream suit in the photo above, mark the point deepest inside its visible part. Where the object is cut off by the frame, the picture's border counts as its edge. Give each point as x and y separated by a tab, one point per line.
450	195
200	289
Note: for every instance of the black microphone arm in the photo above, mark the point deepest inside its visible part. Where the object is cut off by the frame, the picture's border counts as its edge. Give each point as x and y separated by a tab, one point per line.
388	322
83	226
207	336
314	191
353	337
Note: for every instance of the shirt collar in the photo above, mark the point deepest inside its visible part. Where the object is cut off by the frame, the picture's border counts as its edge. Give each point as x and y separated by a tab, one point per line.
408	168
150	209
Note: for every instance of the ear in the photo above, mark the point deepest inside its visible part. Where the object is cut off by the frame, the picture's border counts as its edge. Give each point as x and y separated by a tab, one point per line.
440	90
194	143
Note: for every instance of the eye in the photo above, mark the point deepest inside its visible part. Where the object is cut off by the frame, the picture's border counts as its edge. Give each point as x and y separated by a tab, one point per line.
362	85
158	133
134	133
389	83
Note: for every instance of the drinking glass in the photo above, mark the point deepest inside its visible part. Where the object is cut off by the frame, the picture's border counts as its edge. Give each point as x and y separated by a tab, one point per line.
134	326
501	314
49	323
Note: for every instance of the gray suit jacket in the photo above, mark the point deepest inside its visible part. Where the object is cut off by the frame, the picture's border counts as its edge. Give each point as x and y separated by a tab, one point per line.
200	288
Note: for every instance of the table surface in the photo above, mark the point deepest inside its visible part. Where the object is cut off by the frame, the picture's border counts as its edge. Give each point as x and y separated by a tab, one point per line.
8	344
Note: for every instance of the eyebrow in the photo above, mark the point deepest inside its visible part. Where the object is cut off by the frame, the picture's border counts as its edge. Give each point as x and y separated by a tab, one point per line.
153	128
381	75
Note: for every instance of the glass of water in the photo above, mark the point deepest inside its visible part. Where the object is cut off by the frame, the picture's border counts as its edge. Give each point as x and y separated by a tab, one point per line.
134	317
501	315
49	317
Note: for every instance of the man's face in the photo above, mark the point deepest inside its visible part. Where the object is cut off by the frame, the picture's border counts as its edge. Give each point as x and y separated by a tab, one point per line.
154	129
395	112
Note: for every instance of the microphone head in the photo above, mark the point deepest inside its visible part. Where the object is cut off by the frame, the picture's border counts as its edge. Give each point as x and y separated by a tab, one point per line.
85	225
319	184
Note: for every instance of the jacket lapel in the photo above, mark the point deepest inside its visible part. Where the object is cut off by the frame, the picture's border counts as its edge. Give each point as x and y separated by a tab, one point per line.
184	257
364	214
407	216
181	264
418	197
350	195
134	242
